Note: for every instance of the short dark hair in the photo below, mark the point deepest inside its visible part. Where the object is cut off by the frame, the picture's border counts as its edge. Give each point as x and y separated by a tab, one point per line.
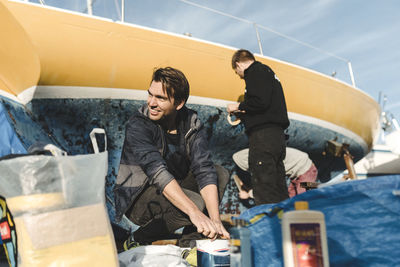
173	82
240	56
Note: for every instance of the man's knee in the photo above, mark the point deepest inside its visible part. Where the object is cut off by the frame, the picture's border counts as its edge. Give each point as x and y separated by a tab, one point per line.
196	198
223	175
223	179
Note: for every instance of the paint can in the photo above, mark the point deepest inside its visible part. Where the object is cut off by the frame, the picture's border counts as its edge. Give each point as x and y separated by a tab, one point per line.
213	253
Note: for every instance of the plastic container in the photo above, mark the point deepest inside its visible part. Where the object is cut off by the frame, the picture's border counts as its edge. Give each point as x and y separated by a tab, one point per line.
304	237
212	253
240	246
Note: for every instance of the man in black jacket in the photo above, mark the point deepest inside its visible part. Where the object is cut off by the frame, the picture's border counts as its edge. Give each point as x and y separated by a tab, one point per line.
166	178
265	118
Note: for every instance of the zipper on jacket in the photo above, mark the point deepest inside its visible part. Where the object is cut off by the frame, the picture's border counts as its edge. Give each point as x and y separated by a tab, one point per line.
186	138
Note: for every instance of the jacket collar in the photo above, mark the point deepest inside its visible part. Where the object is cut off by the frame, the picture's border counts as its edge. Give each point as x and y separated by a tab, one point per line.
251	67
187	118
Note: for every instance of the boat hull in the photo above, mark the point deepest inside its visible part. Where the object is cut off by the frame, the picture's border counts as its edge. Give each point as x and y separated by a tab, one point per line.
66	117
55	90
67	122
96	52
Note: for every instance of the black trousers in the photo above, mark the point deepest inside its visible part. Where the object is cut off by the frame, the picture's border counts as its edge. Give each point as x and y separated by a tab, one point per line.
267	149
158	218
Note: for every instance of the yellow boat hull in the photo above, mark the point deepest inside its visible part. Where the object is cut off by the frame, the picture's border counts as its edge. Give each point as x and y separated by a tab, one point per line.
69	55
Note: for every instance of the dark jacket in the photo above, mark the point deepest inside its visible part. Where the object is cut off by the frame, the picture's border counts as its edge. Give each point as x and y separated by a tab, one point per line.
264	101
142	161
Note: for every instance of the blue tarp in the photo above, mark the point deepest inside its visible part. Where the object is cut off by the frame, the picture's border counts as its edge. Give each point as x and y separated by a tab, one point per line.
362	221
9	141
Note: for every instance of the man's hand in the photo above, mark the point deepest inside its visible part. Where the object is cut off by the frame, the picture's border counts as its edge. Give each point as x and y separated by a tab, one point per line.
232	108
204	224
222	233
208	227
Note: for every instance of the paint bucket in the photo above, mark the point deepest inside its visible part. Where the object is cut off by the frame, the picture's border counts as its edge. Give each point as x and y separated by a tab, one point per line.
213	253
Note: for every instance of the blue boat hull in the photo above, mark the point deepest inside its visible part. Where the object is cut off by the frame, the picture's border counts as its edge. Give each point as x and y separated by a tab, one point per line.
68	122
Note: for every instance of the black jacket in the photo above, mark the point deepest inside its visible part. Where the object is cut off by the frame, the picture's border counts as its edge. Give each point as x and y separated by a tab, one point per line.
264	101
142	161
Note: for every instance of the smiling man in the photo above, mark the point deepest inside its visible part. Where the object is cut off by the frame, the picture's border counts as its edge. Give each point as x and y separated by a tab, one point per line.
166	178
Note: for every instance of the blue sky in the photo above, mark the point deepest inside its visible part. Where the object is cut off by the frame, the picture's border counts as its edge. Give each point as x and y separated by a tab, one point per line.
364	32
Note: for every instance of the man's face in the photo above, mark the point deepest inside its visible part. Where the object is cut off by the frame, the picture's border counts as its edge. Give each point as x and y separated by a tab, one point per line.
158	103
240	68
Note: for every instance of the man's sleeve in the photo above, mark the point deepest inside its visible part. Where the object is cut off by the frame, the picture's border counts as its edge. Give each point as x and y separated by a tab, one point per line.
140	149
202	166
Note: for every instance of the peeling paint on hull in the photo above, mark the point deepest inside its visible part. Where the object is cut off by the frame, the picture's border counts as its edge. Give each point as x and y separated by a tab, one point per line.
68	122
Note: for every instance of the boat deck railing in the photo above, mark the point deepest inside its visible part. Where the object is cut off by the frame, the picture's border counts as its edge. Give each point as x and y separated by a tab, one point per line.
322	62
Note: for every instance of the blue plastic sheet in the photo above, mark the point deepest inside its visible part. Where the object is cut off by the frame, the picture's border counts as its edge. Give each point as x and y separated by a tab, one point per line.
362	222
9	142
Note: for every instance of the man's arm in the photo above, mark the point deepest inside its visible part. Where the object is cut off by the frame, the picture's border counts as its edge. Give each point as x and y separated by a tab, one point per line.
173	192
210	196
140	148
205	174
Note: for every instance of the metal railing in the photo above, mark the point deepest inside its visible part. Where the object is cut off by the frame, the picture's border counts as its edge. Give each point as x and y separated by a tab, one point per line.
256	26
